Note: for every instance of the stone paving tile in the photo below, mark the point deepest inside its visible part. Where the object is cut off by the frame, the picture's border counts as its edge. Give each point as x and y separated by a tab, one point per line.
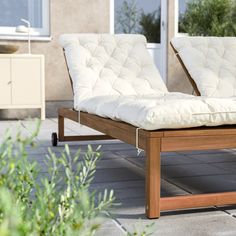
191	170
231	210
117	146
205	184
130	152
118	185
229	167
216	157
109	227
114	163
108	231
131	194
172	160
6	124
178	159
197	223
127	195
204	152
13	127
120	174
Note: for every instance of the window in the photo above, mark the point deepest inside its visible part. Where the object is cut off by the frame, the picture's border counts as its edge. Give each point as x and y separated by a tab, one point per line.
138	16
206	17
35	11
182	7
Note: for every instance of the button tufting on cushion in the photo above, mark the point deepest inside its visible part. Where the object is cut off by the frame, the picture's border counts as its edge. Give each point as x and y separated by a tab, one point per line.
119	60
115	77
211	62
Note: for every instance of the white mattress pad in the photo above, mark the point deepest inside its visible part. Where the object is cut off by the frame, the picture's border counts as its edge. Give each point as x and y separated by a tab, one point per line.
168	111
114	77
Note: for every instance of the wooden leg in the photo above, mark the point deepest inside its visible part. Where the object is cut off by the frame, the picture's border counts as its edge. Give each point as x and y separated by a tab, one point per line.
61	122
153	177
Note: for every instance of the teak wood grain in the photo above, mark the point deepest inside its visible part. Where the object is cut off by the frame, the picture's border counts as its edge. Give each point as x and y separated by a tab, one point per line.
155	142
153	176
171	144
197	200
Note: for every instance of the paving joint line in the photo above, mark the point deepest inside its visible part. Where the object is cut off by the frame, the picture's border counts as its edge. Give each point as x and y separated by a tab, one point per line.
117	222
176	185
225	211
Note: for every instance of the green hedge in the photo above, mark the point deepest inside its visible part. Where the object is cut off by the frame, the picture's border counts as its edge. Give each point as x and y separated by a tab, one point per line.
209	18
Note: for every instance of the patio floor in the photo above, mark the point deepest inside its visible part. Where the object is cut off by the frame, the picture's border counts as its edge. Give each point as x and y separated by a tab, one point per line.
182	173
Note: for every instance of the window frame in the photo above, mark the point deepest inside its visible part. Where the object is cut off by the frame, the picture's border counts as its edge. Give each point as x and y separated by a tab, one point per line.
43	33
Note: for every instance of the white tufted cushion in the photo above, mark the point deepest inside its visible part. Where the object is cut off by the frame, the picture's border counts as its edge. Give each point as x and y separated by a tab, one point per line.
172	110
110	65
115	77
211	62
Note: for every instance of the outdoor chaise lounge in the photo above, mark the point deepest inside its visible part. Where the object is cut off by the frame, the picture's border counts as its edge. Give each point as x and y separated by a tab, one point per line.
119	92
210	63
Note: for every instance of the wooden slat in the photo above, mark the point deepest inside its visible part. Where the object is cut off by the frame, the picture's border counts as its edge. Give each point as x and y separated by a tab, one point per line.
202	131
198	200
172	144
119	130
85	138
107	126
73	115
153	177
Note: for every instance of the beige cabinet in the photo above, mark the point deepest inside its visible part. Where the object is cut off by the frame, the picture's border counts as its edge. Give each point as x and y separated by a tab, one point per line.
22	82
5	81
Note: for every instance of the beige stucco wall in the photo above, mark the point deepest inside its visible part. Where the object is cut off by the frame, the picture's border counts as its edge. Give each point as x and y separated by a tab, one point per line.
177	80
67	16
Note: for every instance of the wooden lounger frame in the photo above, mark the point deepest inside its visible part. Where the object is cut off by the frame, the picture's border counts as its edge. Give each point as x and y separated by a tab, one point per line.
155	142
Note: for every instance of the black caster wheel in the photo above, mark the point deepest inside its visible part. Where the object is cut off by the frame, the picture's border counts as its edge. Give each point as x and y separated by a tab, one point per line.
54	139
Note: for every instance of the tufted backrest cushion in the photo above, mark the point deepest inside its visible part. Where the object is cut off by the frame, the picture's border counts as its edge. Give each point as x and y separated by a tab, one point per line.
211	62
103	64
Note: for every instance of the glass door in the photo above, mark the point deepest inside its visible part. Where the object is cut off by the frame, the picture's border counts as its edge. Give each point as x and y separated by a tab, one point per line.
147	17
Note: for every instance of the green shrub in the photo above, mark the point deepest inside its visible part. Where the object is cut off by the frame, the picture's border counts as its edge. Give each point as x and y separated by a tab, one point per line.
58	203
209	18
150	24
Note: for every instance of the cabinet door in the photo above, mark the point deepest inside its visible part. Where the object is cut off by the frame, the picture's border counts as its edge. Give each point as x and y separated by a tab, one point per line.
5	81
26	81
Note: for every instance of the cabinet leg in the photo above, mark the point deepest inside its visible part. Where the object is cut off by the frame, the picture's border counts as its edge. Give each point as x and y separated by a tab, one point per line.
43	115
153	177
